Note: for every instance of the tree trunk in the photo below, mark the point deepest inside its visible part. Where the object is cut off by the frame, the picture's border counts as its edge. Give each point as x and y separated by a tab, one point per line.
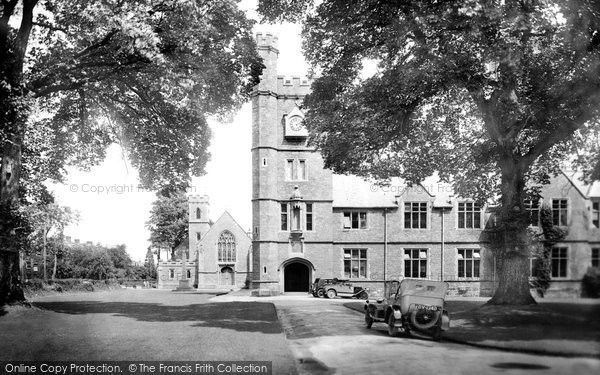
13	117
510	241
54	268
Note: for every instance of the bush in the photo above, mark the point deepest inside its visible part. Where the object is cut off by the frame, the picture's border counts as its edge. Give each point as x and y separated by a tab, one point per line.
591	283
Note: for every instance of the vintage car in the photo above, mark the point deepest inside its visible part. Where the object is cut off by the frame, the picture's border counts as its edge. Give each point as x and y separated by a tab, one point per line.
342	288
411	305
316	288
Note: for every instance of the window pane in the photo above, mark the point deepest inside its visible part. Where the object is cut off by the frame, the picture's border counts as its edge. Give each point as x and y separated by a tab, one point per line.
302	170
423	269
476	268
555	267
469	268
289	166
563	268
407	272
407	220
469	223
423	220
354	221
363	220
347	223
461	220
461	268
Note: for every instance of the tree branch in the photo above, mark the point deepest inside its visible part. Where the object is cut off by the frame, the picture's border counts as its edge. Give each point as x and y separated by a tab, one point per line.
50	27
25	29
554	137
9	8
97	45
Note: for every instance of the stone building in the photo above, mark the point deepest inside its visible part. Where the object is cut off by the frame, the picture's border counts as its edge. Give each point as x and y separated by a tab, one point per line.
217	255
308	222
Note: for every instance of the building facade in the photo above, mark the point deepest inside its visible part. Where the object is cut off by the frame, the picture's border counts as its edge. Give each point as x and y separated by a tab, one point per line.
217	255
308	222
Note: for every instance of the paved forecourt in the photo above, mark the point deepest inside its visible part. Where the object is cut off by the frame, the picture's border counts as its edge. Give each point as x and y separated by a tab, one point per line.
327	337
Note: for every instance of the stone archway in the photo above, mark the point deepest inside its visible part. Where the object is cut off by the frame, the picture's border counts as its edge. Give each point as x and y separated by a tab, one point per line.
226	276
296	277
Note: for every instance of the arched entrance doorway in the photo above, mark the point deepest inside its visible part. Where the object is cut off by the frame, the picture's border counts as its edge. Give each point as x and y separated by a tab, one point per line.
296	277
227	276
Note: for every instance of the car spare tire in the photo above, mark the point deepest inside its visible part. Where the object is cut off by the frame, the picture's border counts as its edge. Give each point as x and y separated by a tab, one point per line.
424	319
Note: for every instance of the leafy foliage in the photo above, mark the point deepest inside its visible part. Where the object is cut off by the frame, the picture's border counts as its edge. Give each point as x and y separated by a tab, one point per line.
550	236
492	95
591	283
149	264
143	73
96	262
77	76
168	223
460	87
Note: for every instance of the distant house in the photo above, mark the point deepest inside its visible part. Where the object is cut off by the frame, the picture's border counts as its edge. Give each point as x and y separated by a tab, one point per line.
217	255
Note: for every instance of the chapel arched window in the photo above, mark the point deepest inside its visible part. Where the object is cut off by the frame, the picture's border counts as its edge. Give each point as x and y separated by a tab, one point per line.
226	247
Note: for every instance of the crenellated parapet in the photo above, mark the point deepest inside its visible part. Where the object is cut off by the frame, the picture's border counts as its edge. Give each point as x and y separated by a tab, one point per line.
267	41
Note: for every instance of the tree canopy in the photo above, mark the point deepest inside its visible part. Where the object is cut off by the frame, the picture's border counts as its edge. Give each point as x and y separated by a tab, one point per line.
80	75
493	96
144	74
168	223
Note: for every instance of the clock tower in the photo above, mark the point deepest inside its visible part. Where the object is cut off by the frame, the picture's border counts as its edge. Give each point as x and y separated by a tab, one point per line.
291	191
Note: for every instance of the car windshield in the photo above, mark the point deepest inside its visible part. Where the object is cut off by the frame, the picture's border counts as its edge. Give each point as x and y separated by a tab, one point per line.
425	288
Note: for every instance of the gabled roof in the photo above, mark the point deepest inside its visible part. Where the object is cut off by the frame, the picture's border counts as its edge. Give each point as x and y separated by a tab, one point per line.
354	192
226	216
591	190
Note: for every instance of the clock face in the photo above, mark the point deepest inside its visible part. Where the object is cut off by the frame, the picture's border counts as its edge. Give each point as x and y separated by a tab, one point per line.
296	123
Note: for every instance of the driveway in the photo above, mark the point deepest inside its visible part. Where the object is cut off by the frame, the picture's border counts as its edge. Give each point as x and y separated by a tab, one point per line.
328	338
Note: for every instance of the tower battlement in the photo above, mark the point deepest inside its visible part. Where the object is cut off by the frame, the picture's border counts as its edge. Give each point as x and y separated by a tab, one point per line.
197	198
293	81
267	40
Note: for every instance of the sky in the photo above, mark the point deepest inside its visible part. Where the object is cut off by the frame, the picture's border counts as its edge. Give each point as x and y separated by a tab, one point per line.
114	209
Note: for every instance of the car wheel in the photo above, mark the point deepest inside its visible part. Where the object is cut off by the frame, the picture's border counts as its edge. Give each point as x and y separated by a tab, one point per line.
320	293
392	329
424	319
363	295
368	319
331	293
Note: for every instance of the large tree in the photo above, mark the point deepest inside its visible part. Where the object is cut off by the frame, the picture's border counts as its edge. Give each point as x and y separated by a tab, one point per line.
491	95
76	76
48	219
168	222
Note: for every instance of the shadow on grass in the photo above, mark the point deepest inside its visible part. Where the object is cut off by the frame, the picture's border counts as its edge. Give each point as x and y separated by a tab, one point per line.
544	321
239	316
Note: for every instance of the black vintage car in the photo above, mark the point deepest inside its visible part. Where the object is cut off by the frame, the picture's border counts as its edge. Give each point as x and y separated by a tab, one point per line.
411	305
316	288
